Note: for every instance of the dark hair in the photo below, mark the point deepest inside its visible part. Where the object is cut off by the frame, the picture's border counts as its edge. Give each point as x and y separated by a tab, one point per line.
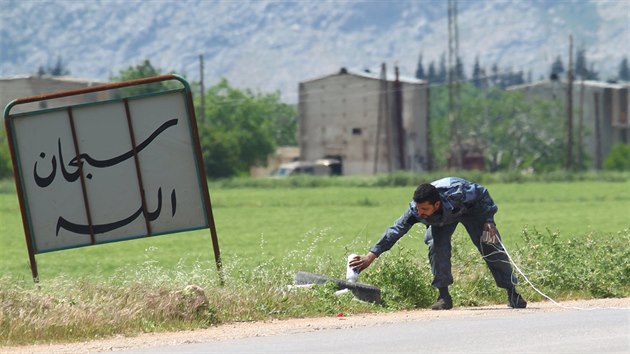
426	192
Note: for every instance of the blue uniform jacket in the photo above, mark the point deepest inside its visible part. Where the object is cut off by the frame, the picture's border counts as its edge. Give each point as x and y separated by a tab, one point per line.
460	198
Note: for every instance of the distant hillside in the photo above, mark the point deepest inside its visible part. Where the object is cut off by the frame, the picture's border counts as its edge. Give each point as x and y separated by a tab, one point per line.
272	45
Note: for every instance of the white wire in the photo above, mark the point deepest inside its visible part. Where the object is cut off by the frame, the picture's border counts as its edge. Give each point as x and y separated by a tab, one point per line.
518	269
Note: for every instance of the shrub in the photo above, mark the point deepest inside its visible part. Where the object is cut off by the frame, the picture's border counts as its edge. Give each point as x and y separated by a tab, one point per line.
5	157
618	159
404	278
595	265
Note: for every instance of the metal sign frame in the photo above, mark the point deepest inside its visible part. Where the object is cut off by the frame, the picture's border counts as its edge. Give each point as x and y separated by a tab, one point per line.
90	228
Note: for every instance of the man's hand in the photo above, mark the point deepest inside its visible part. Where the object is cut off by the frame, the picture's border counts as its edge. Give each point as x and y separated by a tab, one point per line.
363	262
489	234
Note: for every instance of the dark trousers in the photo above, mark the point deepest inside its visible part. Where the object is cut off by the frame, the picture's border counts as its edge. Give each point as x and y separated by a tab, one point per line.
438	238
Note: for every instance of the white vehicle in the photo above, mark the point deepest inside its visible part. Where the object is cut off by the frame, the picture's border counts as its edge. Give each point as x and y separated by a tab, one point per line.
321	167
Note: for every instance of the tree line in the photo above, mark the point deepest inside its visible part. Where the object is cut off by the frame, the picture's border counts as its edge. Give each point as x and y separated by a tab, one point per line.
241	128
503	78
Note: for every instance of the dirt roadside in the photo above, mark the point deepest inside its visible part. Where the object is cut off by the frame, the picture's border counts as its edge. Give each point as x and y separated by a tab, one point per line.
299	325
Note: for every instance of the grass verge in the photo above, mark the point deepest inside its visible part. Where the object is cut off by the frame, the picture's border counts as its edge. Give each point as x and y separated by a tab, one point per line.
150	298
167	287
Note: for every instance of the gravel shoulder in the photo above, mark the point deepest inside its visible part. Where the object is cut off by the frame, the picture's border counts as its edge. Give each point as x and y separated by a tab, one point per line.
300	325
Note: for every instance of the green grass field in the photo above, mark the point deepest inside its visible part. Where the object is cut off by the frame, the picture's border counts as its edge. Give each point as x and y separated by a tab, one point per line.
572	239
256	226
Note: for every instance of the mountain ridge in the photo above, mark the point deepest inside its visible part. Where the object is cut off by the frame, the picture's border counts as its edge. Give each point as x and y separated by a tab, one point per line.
272	45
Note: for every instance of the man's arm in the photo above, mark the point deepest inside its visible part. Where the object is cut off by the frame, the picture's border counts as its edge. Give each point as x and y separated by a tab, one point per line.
388	239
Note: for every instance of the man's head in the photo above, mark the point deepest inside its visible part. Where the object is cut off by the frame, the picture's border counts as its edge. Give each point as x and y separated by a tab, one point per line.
427	199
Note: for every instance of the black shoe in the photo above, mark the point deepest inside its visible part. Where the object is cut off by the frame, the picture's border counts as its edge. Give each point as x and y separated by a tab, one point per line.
516	301
443	303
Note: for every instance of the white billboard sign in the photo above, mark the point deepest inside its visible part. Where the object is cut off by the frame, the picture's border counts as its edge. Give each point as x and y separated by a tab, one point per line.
109	171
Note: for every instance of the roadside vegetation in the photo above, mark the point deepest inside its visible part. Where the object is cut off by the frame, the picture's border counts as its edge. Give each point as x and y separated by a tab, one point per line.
569	234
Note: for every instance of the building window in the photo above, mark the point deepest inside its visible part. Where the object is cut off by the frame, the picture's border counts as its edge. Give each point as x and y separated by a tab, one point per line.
356	131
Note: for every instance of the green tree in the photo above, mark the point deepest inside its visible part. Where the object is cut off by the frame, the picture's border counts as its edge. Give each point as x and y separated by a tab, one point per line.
557	68
512	132
284	119
60	69
459	73
477	74
141	71
432	75
618	158
581	67
624	70
242	129
420	69
5	157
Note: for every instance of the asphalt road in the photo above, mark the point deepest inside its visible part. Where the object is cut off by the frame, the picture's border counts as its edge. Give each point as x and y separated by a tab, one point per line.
575	331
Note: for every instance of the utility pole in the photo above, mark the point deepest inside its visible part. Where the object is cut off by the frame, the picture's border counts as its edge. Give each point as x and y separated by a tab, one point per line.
569	107
203	94
398	118
383	113
598	135
427	128
580	131
453	84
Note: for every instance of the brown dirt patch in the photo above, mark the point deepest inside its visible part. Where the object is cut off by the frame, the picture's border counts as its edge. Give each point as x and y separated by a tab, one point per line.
299	325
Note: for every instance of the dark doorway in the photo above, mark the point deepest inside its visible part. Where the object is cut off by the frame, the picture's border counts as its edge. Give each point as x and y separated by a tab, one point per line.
335	164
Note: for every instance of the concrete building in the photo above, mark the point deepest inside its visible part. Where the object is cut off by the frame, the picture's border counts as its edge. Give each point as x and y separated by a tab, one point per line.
27	86
372	124
600	111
